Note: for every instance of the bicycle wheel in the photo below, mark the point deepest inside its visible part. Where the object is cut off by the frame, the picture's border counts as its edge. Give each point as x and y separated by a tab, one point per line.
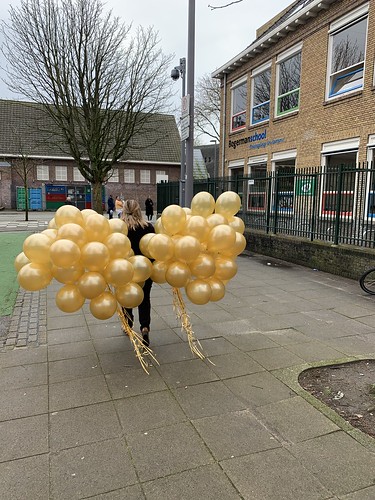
367	281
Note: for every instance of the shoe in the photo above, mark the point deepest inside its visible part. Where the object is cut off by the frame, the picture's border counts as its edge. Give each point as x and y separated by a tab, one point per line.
146	340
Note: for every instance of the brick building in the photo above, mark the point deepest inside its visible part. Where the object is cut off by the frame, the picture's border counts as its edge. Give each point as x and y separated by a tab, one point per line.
302	93
25	131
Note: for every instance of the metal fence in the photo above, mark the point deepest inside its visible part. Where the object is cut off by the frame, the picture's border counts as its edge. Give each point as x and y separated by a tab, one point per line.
335	204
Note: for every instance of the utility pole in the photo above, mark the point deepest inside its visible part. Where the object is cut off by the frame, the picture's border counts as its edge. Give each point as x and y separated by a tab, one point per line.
190	91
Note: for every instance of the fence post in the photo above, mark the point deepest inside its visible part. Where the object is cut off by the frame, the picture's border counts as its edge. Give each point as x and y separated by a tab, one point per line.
276	211
338	207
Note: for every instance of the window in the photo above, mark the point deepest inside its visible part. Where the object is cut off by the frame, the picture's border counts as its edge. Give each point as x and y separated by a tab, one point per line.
347	47
61	173
160	172
145	177
239	99
288	75
284	168
129	175
257	185
114	176
42	172
77	176
260	94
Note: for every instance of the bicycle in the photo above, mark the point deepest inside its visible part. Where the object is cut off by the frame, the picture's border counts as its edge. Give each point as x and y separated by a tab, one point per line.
367	281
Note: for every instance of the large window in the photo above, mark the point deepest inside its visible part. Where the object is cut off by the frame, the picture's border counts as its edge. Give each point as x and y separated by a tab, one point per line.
77	176
145	177
347	53
288	76
42	172
61	173
239	103
260	94
114	177
129	175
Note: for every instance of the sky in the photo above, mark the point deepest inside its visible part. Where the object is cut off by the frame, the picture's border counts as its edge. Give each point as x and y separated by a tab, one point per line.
220	34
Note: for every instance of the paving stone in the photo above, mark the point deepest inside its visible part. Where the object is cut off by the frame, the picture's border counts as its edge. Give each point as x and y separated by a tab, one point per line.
80	392
26	478
70	350
129	493
184	373
68	335
25	402
275	358
24	375
74	368
134	381
234	364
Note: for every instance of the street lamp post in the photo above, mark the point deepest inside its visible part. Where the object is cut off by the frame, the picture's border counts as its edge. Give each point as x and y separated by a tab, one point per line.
190	91
176	72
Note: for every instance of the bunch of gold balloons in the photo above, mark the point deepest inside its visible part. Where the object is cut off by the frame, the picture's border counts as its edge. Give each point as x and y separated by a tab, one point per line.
91	256
196	248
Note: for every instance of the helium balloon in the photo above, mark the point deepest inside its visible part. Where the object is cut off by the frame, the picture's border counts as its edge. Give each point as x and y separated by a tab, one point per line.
36	247
177	274
104	306
158	271
51	233
68	213
130	295
74	232
238	247
173	219
228	204
52	224
187	248
34	276
91	284
221	237
198	291
64	253
86	212
94	256
20	261
142	268
143	244
237	223
198	227
119	272
67	275
203	266
187	210
161	247
217	289
216	219
68	299
97	227
158	226
118	226
203	204
226	268
118	245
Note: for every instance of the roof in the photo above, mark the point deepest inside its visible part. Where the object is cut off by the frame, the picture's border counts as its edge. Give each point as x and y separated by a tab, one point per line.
26	129
300	12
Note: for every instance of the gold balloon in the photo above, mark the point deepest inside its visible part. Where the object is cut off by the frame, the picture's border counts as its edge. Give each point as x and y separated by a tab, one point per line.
36	247
217	289
143	244
178	274
20	261
119	272
203	204
130	295
52	224
118	245
51	233
142	268
64	253
74	232
226	268
34	276
237	223
91	284
216	219
94	256
86	212
67	275
104	306
161	247
68	299
203	266
158	226
221	237
97	227
228	204
198	227
187	248
238	247
198	291
158	271
118	226
187	210
173	219
68	213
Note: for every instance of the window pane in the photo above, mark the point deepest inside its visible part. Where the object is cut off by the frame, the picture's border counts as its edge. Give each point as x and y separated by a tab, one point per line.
114	176
77	176
61	173
261	112
349	81
288	102
145	177
42	172
239	99
348	47
289	74
262	86
129	175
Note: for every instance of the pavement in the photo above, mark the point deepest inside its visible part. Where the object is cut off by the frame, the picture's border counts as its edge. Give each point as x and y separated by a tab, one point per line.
81	419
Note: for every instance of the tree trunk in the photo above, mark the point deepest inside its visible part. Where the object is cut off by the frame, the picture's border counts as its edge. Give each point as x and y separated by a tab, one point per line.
26	202
96	194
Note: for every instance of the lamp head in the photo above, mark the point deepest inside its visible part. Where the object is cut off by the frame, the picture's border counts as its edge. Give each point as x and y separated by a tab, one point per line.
175	74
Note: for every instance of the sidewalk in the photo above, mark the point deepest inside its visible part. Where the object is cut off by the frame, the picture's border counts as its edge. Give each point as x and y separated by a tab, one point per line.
80	418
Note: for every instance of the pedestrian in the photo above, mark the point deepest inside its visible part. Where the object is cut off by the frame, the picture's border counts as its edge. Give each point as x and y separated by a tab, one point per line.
138	227
118	206
149	204
68	201
111	206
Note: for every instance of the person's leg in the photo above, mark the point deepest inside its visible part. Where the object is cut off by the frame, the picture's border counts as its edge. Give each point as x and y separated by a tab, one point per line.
144	311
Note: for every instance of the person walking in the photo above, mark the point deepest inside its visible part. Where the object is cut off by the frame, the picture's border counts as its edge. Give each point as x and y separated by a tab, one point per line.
137	228
118	206
149	205
111	206
68	201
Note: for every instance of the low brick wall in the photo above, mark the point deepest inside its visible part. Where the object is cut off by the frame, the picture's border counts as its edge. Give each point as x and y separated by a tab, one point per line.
343	260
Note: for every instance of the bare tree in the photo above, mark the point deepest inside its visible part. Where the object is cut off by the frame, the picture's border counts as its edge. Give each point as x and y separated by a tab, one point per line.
207	107
98	83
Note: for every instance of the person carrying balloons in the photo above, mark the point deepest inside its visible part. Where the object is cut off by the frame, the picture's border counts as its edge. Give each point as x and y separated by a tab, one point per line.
137	228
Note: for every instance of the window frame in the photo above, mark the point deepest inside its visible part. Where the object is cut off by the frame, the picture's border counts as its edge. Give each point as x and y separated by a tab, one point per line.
284	56
77	176
115	176
42	173
61	169
129	175
235	85
145	176
257	72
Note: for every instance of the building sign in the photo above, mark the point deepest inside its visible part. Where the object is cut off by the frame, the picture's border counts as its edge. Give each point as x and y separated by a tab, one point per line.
305	186
256	141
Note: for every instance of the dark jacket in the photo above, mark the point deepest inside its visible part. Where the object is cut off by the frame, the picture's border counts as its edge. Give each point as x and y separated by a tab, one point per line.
135	236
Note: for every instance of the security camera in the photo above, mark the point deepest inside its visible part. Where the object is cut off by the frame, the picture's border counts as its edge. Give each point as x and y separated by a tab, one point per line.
175	74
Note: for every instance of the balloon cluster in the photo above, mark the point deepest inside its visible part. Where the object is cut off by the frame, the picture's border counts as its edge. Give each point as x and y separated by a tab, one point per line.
196	248
91	256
